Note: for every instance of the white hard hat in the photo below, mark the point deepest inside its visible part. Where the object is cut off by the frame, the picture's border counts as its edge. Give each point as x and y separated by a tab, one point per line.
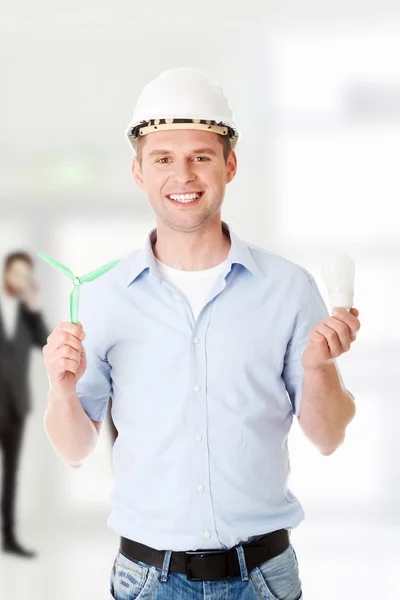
182	98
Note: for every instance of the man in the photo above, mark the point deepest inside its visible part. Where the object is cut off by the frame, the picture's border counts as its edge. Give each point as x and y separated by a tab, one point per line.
208	345
21	327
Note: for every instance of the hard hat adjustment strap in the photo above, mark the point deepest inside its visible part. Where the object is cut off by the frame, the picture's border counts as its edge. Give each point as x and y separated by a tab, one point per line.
153	125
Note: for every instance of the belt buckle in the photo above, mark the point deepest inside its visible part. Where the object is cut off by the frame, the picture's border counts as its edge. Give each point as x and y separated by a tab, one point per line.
187	564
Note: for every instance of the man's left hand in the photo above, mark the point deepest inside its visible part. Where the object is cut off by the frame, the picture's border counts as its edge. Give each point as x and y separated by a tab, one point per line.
331	338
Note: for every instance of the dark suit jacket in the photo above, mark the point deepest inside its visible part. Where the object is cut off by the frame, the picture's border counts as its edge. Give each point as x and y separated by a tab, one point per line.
14	356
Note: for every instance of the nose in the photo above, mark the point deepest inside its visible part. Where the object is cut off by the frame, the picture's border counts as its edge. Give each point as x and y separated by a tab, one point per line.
183	172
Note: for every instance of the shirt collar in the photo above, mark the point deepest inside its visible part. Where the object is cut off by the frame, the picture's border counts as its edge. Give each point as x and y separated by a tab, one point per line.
144	258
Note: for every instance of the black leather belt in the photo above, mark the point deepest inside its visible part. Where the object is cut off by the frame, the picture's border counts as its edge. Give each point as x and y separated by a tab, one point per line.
204	565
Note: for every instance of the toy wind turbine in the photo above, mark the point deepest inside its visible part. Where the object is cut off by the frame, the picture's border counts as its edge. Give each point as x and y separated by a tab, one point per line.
338	274
77	281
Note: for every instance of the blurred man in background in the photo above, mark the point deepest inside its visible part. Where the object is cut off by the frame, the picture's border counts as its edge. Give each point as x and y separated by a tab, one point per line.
21	327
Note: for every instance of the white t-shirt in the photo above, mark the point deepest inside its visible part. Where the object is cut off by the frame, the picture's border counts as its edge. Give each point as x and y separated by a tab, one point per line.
194	285
9	310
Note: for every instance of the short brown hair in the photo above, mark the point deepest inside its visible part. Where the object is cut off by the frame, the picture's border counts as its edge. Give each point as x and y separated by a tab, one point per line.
17	255
224	139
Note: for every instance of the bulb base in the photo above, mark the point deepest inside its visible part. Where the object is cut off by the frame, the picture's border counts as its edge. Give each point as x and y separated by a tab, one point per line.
341	299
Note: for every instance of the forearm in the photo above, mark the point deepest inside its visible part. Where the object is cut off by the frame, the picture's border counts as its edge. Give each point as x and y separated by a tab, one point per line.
69	429
326	408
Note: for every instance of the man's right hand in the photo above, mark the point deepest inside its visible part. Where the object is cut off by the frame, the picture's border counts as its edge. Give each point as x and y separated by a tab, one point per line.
64	358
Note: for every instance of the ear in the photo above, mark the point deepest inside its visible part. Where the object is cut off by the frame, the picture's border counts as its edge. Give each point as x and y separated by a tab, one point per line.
231	166
137	173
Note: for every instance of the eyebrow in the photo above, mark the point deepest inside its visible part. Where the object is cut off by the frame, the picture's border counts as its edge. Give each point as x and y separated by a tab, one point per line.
198	151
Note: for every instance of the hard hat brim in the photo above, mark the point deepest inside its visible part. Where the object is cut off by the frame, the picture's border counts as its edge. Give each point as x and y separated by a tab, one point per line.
152	126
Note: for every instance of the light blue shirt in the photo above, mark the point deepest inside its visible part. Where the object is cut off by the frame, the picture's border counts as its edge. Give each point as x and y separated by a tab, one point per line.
203	408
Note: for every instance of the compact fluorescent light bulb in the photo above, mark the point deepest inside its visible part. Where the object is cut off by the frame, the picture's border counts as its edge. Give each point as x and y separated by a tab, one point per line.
338	274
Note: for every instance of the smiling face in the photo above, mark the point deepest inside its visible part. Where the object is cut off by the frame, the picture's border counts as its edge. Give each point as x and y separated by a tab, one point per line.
180	162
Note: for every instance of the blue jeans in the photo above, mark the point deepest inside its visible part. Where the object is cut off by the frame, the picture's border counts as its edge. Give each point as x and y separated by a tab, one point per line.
275	579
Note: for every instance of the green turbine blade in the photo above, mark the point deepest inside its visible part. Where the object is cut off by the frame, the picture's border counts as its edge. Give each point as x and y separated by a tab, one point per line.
100	271
74	304
57	265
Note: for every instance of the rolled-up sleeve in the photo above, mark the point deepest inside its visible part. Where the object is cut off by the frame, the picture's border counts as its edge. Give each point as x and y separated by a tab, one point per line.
95	386
312	311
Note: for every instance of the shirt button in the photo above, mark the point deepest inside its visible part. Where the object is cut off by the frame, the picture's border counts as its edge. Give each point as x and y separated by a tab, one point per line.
207	534
197	388
200	488
198	437
196	340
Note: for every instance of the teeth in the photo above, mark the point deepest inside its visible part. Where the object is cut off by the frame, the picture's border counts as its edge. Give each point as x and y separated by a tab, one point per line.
184	197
